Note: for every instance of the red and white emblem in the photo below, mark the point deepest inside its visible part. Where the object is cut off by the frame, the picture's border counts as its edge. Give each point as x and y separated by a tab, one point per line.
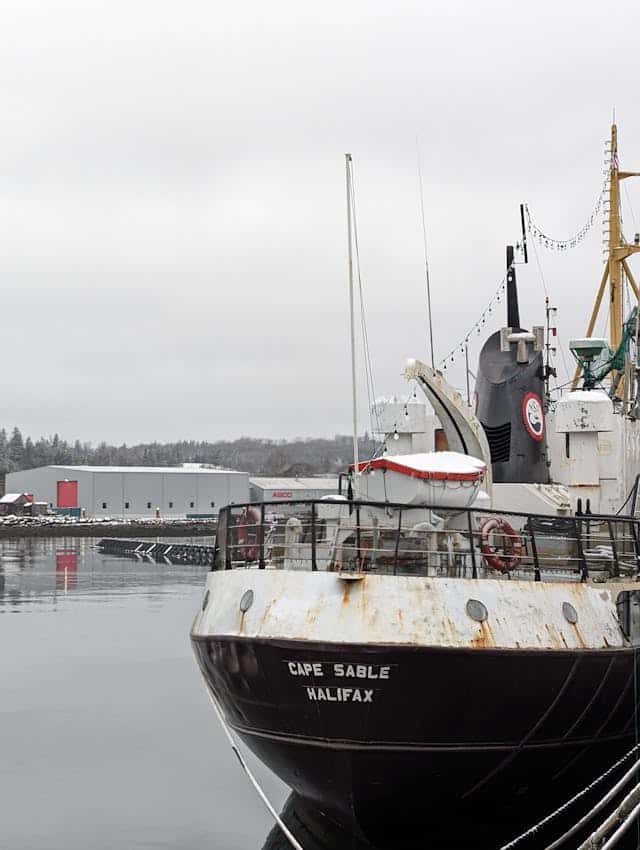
533	416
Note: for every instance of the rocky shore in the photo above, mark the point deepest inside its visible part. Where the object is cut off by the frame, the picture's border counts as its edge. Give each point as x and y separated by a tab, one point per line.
18	527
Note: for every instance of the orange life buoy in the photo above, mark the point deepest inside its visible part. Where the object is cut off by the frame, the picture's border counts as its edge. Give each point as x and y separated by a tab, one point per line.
248	534
511	549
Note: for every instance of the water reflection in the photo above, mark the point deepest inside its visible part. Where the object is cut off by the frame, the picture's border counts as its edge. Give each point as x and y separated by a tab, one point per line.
108	738
46	571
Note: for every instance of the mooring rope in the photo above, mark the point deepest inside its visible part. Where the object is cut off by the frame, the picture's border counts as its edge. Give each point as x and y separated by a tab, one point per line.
600	805
225	728
622	817
534	829
622	829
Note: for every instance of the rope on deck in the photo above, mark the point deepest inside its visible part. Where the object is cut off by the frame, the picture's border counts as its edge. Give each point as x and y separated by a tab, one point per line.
225	728
546	820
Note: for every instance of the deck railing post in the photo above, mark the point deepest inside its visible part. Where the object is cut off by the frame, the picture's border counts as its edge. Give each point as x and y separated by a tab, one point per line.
474	565
534	550
227	531
261	537
397	549
358	554
578	537
636	542
614	549
314	565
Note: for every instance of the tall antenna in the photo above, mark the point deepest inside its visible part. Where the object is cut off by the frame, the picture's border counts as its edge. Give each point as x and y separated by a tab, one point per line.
352	321
426	256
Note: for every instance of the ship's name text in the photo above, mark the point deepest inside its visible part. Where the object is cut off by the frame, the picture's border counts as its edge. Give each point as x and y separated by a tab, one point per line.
339	694
346	671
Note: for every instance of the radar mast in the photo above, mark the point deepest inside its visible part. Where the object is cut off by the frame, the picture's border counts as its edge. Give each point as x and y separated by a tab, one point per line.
616	265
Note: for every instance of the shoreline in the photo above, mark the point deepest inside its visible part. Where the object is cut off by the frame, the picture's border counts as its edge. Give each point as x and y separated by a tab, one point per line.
106	529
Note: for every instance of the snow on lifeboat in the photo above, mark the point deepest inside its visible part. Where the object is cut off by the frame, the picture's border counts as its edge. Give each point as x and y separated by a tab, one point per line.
448	479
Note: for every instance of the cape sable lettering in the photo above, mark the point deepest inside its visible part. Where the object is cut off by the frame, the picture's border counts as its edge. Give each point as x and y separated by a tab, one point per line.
340	671
339	694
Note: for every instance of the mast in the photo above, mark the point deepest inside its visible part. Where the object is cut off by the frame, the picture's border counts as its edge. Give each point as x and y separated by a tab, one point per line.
352	321
615	268
616	265
513	311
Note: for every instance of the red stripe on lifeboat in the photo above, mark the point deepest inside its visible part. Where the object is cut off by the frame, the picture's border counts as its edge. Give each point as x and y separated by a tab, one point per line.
405	468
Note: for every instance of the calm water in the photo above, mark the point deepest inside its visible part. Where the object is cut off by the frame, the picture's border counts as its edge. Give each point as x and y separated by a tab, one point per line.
107	736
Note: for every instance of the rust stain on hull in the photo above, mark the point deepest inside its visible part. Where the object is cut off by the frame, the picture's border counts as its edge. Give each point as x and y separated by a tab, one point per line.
485	639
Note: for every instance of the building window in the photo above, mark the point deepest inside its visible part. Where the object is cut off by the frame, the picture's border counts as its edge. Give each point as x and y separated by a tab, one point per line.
148	504
104	506
170	504
126	506
192	504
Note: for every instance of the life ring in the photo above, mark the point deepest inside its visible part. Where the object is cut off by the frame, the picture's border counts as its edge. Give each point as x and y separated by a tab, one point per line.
248	534
511	549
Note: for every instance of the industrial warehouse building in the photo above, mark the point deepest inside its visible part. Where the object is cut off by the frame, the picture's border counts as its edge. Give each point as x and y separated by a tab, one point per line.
191	490
292	489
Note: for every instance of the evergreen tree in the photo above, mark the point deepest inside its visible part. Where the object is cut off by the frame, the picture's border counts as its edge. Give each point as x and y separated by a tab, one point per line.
16	448
28	457
4	452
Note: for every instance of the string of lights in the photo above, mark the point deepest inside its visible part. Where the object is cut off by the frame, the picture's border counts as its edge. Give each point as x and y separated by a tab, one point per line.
566	244
549	242
475	328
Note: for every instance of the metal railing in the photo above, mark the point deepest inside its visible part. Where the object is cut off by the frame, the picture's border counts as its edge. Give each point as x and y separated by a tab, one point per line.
399	539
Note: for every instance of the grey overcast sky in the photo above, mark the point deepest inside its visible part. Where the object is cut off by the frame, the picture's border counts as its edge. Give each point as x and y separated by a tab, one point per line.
172	211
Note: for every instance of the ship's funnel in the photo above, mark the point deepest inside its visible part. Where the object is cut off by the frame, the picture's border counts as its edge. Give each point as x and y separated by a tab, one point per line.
509	394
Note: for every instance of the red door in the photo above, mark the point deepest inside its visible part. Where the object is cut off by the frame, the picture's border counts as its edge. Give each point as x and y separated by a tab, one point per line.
67	494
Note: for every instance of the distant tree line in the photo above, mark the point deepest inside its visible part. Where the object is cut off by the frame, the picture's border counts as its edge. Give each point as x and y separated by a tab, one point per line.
247	454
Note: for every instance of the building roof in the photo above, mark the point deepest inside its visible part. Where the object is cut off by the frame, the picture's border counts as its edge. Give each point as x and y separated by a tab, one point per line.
167	470
10	498
295	483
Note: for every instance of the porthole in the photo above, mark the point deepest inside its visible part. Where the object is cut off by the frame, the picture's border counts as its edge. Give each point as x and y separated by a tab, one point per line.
247	601
477	610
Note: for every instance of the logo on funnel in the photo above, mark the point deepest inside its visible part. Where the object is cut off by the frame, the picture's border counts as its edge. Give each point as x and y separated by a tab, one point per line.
533	416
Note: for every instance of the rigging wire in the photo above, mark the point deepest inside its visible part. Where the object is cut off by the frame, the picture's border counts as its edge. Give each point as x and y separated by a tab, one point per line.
363	319
630	205
426	256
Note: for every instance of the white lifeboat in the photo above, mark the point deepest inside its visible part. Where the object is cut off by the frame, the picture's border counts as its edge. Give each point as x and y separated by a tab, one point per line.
450	479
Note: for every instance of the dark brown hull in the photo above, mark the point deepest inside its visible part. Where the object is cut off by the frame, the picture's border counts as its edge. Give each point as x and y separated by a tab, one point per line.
451	745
